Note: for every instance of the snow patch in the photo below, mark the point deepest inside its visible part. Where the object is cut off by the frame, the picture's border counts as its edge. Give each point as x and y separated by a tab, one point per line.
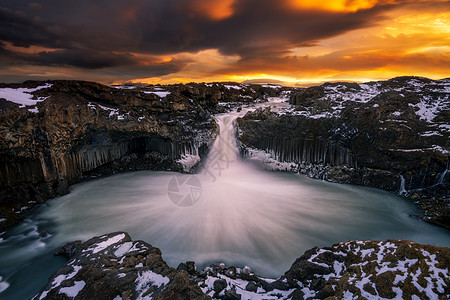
73	291
431	133
188	161
147	279
112	111
123	249
3	284
161	94
124	87
234	87
272	86
23	96
105	244
268	162
59	279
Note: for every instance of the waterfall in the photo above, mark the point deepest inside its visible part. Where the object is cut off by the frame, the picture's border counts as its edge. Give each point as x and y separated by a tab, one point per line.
442	176
402	190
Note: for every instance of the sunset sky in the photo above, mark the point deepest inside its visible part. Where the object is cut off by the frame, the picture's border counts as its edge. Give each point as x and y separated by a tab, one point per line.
170	41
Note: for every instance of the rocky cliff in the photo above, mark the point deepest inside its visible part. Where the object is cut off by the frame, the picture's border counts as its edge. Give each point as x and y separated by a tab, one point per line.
392	135
113	266
54	133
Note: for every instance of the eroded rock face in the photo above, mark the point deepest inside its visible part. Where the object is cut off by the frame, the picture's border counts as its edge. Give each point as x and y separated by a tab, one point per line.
115	267
73	129
393	135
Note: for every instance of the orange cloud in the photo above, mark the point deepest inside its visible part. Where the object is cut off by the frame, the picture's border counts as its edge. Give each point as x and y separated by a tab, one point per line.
336	5
215	9
26	50
221	40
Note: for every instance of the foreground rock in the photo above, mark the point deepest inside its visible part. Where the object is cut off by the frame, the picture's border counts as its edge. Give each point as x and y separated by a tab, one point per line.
114	267
393	135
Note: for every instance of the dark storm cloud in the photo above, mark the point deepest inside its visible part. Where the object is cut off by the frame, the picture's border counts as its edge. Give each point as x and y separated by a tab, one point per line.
257	27
99	34
83	59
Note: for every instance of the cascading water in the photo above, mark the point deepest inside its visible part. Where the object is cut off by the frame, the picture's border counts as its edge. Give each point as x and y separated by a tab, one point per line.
230	211
444	174
402	190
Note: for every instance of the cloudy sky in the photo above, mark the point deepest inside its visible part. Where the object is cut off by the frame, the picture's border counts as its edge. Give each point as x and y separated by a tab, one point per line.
169	41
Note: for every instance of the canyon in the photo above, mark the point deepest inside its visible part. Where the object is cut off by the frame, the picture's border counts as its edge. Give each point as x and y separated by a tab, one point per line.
389	135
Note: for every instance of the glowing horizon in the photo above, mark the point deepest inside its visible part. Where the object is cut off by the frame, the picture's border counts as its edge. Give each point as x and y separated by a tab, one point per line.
165	42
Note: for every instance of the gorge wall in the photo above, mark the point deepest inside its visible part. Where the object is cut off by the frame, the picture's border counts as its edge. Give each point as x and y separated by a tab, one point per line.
392	135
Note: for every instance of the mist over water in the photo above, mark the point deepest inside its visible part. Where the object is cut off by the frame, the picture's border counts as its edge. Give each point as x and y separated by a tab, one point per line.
238	214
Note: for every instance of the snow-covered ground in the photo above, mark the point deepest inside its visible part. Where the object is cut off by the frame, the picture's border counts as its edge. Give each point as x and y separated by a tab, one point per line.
24	96
434	97
160	93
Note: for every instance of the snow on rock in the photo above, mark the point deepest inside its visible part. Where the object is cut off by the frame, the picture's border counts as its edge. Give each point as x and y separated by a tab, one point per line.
268	161
148	279
433	95
105	244
113	266
161	94
56	283
23	96
394	269
189	161
272	86
72	291
112	111
3	284
238	288
234	87
386	270
123	249
428	108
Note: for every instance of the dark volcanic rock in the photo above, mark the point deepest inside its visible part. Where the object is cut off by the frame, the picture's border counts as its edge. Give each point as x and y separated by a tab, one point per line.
112	266
393	135
87	129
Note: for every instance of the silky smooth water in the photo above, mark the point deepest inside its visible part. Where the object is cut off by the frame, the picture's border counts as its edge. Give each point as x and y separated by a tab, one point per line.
230	212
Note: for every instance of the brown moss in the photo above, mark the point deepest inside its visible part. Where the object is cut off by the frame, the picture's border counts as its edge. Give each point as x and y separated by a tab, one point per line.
369	288
384	283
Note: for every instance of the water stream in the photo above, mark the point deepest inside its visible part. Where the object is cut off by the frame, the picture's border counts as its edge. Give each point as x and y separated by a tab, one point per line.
230	212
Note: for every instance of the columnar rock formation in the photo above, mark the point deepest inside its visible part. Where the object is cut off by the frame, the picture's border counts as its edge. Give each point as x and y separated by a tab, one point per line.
393	135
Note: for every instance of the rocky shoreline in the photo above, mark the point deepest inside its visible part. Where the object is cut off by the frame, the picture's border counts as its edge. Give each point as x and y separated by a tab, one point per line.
113	266
392	135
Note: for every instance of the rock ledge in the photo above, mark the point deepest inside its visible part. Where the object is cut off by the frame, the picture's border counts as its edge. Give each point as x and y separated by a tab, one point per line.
113	266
